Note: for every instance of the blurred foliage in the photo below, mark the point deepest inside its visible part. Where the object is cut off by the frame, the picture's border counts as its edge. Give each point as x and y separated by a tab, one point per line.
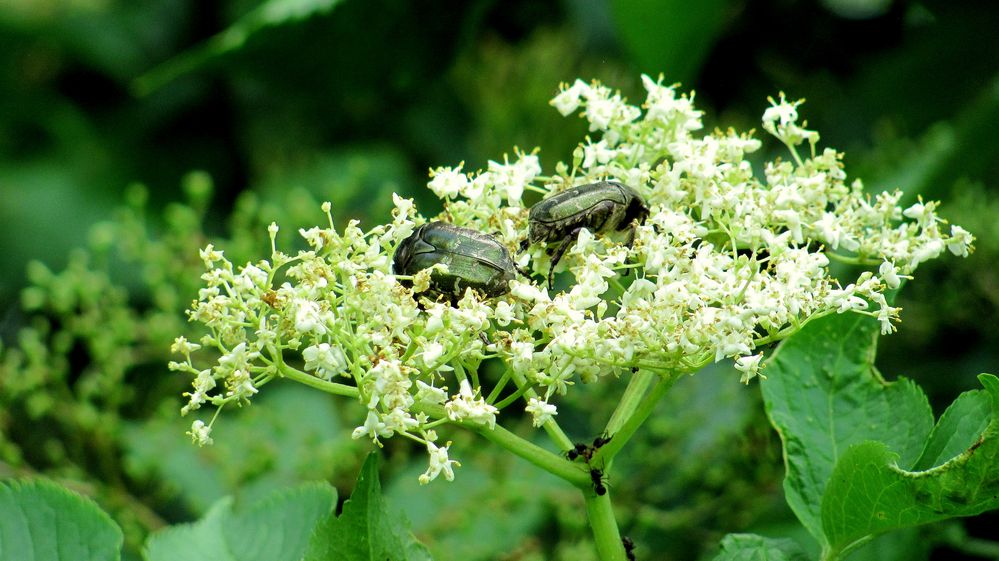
287	103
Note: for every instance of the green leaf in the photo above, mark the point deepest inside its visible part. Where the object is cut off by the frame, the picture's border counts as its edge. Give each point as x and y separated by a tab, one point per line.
669	36
751	547
366	529
269	14
957	430
869	493
273	529
823	395
41	521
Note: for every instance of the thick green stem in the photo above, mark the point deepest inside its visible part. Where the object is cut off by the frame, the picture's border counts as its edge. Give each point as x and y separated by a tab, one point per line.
555	464
319	384
632	396
628	418
606	536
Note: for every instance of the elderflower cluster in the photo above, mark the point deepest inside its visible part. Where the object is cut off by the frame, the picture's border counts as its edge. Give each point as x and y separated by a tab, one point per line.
731	257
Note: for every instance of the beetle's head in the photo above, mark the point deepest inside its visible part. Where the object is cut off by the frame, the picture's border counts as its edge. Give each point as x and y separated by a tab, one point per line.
636	212
406	249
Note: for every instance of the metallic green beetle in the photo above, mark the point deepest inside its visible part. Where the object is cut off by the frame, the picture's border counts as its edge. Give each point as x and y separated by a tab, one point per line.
605	206
474	260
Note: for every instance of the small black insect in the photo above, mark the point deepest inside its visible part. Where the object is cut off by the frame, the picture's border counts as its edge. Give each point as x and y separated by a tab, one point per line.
629	547
578	450
597	477
586	451
605	206
599	441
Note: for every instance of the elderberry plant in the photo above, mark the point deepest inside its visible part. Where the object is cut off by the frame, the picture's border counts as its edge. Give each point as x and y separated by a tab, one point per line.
732	257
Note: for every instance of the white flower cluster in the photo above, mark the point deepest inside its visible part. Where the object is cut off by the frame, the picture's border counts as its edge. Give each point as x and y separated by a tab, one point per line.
729	259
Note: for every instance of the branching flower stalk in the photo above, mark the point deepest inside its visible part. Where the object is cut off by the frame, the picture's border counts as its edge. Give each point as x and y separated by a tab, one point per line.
731	258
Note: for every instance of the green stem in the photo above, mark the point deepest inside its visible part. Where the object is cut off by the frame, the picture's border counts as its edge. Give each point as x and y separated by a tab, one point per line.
574	473
634	415
328	387
554	464
630	399
851	259
606	536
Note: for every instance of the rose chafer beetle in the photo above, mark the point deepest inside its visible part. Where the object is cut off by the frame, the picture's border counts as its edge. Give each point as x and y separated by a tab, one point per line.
474	260
606	206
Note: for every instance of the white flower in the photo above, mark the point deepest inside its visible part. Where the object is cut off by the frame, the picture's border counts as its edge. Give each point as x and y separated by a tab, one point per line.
426	393
541	411
373	428
960	241
439	463
239	358
528	292
200	433
749	366
204	382
503	313
926	251
448	183
466	407
889	273
308	318
780	114
432	352
567	100
210	256
182	346
326	360
597	153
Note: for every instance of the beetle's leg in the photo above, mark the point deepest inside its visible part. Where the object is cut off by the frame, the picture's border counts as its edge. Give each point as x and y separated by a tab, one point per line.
632	232
570	239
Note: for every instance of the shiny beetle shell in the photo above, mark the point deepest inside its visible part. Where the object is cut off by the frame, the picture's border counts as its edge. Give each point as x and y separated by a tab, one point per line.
606	206
475	260
599	207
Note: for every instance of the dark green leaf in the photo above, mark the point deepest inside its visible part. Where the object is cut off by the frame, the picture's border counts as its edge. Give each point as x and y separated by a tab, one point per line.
367	529
41	521
751	547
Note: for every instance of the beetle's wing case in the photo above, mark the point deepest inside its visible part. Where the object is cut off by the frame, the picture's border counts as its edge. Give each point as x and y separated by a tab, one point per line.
473	259
457	241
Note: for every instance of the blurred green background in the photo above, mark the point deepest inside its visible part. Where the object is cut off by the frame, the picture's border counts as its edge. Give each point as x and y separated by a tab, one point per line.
283	103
